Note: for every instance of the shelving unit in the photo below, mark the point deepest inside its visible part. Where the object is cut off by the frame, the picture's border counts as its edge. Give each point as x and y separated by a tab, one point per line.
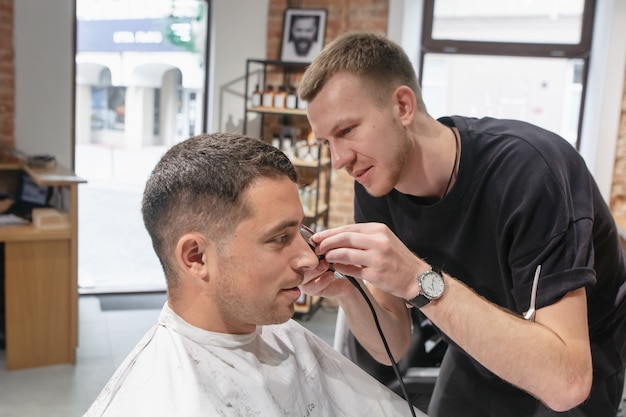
311	171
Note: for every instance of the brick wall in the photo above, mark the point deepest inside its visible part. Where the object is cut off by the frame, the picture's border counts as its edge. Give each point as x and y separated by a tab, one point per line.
343	16
7	75
618	190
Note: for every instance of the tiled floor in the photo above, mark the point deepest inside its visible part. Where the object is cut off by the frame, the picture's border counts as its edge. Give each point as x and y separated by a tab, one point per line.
105	338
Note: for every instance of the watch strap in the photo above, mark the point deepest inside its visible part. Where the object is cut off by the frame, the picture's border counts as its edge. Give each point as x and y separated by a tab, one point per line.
420	300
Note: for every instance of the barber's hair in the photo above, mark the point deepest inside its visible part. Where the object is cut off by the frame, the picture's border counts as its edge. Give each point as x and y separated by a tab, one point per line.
197	186
382	64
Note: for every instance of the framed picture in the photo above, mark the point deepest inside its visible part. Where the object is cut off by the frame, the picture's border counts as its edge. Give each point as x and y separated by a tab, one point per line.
303	34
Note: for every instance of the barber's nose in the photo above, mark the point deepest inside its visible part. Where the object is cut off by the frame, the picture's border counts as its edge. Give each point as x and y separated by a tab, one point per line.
339	155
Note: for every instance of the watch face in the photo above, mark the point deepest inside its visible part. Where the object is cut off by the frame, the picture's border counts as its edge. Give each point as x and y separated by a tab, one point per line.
431	284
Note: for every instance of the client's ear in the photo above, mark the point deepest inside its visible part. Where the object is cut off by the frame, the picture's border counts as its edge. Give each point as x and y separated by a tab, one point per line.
193	255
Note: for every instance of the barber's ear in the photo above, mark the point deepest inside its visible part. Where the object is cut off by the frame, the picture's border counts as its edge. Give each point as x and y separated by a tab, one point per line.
194	254
405	103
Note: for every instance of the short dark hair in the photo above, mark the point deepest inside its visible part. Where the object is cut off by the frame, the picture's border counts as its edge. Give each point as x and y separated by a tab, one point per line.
197	187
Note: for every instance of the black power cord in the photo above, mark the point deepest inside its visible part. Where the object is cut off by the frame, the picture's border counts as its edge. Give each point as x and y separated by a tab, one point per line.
307	233
394	365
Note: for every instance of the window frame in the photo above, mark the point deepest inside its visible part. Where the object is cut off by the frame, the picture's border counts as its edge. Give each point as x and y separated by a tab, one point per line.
581	50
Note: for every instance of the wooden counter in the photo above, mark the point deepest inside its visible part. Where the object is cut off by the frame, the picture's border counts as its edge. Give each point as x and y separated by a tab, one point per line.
41	276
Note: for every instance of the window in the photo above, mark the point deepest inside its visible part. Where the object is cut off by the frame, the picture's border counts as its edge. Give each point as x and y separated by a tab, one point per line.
140	88
521	59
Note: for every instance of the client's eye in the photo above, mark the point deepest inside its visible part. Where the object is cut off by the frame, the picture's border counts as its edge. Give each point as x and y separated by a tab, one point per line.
281	239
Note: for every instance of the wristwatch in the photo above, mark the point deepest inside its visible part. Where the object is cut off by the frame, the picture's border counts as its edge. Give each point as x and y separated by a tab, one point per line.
431	288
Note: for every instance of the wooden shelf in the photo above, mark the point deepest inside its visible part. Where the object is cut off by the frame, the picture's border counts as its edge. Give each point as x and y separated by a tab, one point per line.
58	175
273	110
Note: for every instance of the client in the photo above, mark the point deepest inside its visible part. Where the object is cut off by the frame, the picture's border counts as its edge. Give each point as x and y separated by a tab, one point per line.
224	216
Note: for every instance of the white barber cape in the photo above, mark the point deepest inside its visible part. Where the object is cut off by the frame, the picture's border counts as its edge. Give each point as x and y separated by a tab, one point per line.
280	370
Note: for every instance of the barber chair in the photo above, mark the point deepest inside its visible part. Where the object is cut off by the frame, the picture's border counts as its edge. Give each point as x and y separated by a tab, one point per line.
419	368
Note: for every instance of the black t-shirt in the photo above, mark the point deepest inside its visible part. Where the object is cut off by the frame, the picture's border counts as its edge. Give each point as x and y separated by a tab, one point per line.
523	197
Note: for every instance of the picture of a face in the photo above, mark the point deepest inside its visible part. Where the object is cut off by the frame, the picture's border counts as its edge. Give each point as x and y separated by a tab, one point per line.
304	33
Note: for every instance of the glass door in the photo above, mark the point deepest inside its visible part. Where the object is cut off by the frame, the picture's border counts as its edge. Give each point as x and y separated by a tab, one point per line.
140	88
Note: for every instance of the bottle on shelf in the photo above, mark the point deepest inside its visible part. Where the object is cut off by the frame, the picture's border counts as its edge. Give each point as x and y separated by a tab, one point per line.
292	98
276	142
302	150
281	109
288	146
279	98
256	97
268	96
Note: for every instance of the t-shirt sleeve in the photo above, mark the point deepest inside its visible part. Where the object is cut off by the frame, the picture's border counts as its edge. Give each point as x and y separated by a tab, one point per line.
549	223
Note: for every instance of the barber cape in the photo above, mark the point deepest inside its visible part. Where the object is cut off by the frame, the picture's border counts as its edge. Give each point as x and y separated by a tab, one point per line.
279	370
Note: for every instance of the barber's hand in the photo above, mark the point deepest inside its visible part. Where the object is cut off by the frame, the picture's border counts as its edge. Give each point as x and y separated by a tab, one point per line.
322	281
372	252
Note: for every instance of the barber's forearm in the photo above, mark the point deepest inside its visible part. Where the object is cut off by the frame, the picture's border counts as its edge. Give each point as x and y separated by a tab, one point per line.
554	368
394	319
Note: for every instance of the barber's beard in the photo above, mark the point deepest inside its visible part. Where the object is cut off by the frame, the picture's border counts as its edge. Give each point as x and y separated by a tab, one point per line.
390	170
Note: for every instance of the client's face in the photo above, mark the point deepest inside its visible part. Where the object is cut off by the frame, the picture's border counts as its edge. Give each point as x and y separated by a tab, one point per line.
262	264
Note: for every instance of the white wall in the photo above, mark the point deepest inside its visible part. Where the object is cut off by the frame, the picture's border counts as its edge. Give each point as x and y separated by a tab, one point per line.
239	33
43	36
44	56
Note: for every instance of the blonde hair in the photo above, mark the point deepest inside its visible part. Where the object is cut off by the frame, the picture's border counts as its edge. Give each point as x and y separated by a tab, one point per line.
382	64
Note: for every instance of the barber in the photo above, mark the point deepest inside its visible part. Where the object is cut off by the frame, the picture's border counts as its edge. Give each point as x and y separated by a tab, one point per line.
456	216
